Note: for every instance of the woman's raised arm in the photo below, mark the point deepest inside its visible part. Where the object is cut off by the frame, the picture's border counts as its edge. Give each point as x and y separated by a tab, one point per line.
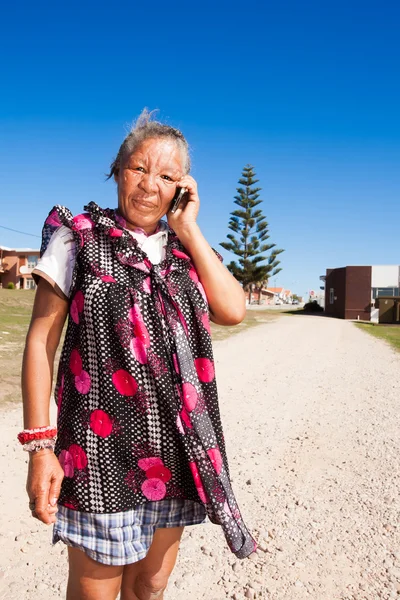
224	293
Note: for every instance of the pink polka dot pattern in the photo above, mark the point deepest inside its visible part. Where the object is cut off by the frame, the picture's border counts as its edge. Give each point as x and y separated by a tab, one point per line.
139	418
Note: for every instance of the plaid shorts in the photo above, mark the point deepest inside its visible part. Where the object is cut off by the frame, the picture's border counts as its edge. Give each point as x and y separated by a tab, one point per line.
125	537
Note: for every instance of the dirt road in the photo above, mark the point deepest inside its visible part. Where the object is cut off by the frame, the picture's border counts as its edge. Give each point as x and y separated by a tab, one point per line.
311	413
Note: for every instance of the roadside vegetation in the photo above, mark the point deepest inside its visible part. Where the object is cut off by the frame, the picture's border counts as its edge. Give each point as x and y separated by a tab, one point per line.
313	307
15	314
257	257
388	333
310	308
252	318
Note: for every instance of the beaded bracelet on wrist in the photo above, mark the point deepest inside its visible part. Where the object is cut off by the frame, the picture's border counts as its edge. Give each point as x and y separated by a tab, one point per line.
42	444
40	433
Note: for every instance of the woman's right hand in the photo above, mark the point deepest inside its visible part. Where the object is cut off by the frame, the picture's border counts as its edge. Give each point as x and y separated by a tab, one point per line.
43	485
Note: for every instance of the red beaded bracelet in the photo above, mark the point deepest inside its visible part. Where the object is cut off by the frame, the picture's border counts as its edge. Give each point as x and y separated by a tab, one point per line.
41	433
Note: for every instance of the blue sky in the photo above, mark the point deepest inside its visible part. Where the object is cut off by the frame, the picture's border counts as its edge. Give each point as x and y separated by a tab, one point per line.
306	92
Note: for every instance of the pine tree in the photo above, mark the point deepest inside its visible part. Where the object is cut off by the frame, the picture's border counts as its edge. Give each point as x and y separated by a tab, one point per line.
249	238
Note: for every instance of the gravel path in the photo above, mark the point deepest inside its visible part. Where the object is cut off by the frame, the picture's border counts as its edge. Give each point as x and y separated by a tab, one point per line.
310	407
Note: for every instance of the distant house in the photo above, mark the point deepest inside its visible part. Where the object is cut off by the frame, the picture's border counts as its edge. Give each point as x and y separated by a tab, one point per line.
16	266
279	292
260	296
350	292
269	295
288	296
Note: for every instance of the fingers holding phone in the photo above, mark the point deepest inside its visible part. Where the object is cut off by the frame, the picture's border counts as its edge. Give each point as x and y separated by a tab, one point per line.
185	205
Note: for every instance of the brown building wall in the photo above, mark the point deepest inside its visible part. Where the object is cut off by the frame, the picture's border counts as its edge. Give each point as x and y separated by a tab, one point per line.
358	293
351	293
335	301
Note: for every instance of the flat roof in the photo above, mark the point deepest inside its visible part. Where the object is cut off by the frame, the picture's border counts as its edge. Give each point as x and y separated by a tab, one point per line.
19	249
345	266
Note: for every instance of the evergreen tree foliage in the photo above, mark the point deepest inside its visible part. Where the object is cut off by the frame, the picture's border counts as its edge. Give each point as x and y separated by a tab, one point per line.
257	257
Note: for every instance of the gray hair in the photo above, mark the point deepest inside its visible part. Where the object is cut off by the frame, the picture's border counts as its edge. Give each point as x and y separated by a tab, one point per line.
144	128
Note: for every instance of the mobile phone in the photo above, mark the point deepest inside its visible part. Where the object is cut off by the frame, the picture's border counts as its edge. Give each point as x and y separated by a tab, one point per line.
180	192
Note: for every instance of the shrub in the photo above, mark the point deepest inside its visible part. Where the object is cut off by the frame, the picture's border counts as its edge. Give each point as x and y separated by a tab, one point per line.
313	307
10	286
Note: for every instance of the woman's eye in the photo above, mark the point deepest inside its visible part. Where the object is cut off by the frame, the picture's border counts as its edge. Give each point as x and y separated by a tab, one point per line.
166	177
140	169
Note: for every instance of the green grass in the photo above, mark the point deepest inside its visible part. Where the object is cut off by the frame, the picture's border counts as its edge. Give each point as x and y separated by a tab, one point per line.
388	333
252	318
15	314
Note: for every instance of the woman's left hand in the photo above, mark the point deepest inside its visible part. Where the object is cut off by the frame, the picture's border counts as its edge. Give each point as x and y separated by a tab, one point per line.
186	213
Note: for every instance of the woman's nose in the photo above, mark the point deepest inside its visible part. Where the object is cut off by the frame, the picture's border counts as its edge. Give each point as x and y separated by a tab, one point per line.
148	183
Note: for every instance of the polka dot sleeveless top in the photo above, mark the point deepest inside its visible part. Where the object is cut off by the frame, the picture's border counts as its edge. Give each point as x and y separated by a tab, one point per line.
138	416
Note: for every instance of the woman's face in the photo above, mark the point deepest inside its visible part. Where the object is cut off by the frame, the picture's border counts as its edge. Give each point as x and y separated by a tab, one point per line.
147	182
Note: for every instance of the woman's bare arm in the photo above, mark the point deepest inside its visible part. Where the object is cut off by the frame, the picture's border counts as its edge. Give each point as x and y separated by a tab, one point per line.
224	293
48	318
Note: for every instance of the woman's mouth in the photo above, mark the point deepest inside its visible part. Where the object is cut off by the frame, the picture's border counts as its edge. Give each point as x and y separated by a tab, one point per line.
143	202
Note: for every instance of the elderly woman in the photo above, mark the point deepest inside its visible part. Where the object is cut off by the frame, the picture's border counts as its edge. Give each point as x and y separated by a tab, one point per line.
138	453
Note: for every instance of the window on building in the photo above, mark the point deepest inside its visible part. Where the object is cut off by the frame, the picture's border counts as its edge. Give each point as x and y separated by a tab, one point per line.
29	284
331	296
32	261
389	291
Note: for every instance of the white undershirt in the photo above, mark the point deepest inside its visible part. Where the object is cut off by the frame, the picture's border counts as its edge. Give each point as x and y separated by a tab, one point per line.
58	261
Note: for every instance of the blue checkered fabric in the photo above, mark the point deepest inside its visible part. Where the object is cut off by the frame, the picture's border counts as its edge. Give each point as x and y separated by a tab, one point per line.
124	537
